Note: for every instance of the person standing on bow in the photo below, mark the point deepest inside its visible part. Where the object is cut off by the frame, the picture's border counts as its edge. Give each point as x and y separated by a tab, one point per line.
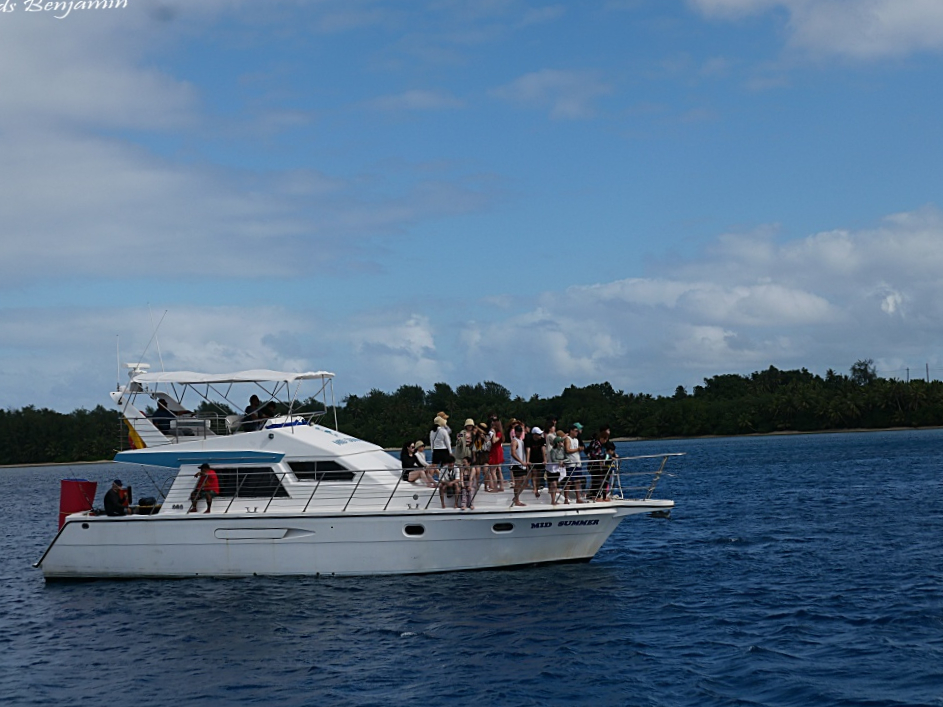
596	453
518	463
440	441
575	476
496	456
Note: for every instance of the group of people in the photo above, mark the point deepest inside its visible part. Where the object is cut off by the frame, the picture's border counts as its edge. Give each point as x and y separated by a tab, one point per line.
256	414
540	459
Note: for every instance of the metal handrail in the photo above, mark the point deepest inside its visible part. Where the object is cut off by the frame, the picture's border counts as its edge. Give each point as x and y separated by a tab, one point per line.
609	484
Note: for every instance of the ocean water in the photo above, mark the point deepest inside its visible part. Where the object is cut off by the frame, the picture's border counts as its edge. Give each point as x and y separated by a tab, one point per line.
800	570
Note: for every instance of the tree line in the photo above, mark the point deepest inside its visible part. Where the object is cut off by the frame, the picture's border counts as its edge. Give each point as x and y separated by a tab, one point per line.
766	401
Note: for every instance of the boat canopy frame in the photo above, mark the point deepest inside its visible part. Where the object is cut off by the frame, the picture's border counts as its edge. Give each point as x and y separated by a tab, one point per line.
221	385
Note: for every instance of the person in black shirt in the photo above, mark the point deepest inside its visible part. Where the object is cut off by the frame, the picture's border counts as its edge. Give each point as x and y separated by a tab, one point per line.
114	500
534	448
162	416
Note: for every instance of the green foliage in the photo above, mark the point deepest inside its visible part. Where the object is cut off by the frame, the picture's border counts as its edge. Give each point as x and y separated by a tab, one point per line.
39	436
727	404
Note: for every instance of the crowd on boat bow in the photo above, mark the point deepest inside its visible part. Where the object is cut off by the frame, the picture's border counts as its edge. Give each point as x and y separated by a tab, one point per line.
548	459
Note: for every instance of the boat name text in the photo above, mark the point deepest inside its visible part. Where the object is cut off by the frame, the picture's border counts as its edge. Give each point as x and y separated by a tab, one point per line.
547	524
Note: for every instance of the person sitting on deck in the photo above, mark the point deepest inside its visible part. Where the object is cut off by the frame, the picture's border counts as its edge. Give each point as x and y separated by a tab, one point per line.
162	416
250	421
413	469
267	412
207	487
116	500
448	481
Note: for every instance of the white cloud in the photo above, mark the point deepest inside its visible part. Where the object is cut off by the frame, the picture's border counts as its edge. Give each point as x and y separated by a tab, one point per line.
820	302
748	302
568	94
861	29
80	198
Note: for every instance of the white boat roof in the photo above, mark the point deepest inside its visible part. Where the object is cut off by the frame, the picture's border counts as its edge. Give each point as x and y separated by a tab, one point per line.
255	376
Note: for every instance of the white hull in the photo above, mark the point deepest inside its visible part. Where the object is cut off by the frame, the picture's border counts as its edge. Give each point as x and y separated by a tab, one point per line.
238	545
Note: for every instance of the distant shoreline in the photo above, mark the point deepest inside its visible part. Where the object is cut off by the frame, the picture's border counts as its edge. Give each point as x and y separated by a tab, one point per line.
780	433
30	466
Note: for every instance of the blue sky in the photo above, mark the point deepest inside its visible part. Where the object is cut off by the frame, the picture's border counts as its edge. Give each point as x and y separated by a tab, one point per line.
641	191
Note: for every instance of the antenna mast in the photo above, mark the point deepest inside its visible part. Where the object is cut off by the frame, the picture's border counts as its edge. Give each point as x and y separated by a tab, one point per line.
156	339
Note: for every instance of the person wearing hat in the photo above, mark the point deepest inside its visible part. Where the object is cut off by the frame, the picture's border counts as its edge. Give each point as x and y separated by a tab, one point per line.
440	441
116	500
207	487
481	445
534	450
413	469
463	442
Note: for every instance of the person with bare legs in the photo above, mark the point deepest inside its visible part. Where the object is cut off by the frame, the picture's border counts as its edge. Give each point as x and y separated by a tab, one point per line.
448	480
518	463
207	487
496	455
534	449
574	467
466	486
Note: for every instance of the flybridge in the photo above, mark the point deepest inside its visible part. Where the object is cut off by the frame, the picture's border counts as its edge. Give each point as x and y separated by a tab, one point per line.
192	405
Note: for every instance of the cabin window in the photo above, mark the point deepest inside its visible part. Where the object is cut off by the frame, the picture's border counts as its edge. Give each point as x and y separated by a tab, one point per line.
250	482
321	471
414	530
502	527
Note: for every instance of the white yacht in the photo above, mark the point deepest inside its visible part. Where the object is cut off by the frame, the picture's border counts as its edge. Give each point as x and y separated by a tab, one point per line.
298	497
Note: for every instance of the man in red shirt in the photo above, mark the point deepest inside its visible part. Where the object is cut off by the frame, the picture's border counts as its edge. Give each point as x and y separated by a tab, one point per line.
206	487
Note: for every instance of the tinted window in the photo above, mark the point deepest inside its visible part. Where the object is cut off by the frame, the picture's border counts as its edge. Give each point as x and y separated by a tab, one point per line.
321	471
250	482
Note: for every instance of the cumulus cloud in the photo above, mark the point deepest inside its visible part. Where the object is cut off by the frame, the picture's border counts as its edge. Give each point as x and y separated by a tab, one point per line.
68	358
568	94
861	29
81	199
747	302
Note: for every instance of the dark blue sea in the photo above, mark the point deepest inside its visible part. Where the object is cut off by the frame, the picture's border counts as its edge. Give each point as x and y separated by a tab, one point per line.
799	570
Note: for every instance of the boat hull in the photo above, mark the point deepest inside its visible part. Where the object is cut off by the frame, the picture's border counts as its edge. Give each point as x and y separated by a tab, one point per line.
238	545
